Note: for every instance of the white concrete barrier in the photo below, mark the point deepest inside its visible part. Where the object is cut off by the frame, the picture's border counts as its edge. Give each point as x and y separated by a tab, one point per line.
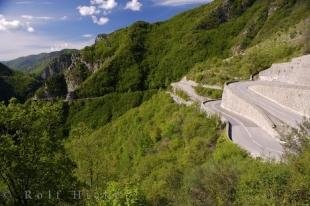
295	72
293	98
238	105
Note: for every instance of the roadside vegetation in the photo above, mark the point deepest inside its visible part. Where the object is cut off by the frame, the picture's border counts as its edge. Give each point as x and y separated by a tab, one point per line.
180	93
207	92
156	154
164	154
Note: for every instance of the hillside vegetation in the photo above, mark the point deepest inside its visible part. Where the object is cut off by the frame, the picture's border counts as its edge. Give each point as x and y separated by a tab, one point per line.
16	84
95	113
125	142
36	63
148	56
221	41
164	154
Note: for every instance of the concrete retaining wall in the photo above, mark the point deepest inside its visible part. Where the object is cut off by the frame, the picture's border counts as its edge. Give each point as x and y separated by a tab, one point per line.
240	106
295	72
293	98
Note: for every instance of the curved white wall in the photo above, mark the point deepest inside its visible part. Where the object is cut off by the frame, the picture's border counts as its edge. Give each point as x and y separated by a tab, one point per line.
294	98
295	72
234	103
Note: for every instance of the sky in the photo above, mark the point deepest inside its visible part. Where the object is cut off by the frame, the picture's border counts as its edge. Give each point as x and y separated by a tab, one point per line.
36	26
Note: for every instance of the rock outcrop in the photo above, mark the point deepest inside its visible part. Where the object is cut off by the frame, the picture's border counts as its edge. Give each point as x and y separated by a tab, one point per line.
74	69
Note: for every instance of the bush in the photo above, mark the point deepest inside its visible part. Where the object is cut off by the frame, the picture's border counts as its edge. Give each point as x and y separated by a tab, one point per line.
211	93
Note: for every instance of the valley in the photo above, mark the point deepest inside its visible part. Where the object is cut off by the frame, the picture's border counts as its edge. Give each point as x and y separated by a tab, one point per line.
209	107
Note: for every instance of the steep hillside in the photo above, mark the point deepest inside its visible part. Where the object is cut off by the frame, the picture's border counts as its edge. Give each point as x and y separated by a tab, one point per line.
125	138
164	154
221	41
35	63
16	84
145	56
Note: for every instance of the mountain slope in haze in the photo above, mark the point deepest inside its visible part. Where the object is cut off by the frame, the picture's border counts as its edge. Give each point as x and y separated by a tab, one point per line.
35	63
16	84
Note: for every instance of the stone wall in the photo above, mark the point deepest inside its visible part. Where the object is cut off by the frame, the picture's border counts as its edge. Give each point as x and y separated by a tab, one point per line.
242	107
294	98
295	72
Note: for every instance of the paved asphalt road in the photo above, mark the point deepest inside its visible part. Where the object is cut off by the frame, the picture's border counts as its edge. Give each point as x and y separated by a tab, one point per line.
189	90
282	113
247	134
244	131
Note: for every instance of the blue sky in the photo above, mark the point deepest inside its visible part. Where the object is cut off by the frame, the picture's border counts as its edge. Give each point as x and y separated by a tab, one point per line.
36	26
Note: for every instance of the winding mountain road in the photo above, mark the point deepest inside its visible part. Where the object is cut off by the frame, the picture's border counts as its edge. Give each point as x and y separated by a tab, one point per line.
288	116
258	111
247	134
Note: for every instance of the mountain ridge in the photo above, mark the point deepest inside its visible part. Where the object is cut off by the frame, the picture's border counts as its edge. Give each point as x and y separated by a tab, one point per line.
35	63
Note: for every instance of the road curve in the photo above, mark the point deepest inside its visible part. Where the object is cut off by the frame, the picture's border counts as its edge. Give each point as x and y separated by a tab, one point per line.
247	134
277	111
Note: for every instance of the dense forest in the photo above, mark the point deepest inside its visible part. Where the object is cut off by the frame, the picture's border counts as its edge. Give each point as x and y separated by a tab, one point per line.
123	141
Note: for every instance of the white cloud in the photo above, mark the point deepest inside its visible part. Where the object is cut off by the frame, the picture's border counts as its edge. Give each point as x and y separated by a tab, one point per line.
11	25
45	17
87	35
60	46
29	17
100	21
98	8
179	2
104	4
30	29
133	5
24	2
31	2
87	10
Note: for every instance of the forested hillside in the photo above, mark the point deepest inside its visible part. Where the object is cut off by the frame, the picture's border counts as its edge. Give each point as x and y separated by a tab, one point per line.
36	63
164	154
145	56
16	84
123	141
214	43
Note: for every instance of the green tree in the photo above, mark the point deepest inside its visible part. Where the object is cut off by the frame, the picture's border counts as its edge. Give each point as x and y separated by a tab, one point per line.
33	161
118	195
56	86
298	140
